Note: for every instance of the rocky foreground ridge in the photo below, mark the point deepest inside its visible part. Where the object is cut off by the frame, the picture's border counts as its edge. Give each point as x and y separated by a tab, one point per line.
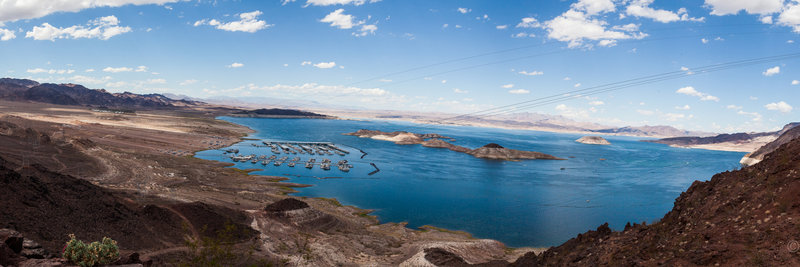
488	151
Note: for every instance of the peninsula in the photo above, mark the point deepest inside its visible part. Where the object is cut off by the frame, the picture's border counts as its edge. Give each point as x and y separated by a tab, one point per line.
489	151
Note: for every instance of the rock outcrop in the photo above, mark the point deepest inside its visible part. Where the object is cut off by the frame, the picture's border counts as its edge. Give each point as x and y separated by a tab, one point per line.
789	133
299	213
593	140
498	152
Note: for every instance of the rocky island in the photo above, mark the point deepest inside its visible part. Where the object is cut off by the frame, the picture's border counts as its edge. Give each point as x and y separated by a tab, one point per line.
489	151
593	140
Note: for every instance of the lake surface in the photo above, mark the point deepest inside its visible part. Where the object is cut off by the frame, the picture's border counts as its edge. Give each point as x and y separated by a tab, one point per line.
525	203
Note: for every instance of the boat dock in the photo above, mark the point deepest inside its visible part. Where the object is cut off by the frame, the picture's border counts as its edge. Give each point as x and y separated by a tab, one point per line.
282	151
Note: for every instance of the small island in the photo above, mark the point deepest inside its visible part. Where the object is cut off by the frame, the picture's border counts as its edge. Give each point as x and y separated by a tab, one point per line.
489	151
593	140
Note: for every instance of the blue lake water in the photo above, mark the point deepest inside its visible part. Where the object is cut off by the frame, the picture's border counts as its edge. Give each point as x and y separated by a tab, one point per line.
525	203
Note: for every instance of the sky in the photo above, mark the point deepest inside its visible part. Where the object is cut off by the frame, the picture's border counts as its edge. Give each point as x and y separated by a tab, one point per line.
433	56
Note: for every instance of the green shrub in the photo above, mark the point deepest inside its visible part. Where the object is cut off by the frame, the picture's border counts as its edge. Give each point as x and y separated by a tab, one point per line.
96	253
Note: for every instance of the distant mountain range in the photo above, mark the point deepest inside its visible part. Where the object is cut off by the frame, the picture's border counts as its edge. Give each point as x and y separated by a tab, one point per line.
74	94
754	140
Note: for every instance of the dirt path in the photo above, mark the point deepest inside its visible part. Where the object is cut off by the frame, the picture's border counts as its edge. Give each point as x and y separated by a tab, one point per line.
165	251
195	234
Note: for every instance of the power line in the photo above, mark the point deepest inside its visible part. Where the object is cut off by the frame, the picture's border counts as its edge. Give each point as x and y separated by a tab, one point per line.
619	85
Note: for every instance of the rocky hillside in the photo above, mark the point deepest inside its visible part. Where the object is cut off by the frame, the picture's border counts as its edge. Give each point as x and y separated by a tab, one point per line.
74	94
754	140
789	133
279	112
650	131
47	206
747	217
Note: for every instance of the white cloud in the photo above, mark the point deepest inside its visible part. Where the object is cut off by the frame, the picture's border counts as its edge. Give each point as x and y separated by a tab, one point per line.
755	115
80	79
704	40
790	16
690	91
728	7
529	22
305	63
779	106
11	10
795	82
592	7
577	85
189	82
676	116
156	81
49	71
607	43
501	27
335	2
340	20
508	86
596	103
523	35
645	112
531	73
459	91
519	91
463	10
766	19
235	65
325	65
772	71
733	107
6	35
575	27
102	28
116	70
89	70
141	69
365	30
684	68
248	22
641	8
684	107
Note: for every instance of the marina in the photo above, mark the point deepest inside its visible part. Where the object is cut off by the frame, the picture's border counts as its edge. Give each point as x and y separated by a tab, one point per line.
295	148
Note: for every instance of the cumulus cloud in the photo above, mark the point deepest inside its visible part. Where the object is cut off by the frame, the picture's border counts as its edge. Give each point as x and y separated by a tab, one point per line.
592	7
459	91
755	115
519	91
141	69
531	73
795	82
779	106
528	22
508	86
596	103
116	70
641	8
189	82
338	19
248	22
501	27
772	71
684	107
690	91
366	30
6	35
733	107
575	27
102	28
235	65
325	65
11	10
463	10
728	7
80	79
